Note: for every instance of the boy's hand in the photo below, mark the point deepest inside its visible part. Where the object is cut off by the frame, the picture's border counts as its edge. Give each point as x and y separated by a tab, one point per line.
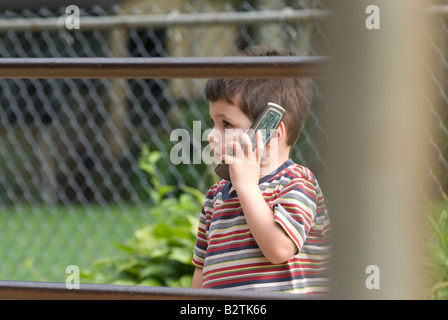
244	164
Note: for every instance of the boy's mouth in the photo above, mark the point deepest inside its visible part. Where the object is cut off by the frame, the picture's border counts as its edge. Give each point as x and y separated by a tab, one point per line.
217	156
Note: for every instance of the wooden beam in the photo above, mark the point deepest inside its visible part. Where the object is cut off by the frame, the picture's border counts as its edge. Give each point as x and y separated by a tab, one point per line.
24	290
161	68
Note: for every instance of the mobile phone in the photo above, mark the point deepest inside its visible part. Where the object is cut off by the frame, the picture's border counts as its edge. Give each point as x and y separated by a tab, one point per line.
267	121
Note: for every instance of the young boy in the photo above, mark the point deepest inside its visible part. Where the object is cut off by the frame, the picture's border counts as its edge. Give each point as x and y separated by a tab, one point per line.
267	229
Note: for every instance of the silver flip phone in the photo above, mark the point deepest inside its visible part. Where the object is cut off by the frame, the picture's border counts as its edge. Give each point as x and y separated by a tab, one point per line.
267	121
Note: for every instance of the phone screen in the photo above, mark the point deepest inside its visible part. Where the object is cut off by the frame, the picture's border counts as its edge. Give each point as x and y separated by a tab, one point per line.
267	124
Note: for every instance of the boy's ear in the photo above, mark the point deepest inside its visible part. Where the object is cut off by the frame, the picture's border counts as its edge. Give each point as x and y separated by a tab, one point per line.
281	134
281	131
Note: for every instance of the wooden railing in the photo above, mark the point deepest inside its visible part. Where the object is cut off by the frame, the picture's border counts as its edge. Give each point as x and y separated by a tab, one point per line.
162	68
21	290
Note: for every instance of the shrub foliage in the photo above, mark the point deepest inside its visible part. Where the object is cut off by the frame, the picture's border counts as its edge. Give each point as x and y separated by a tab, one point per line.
159	253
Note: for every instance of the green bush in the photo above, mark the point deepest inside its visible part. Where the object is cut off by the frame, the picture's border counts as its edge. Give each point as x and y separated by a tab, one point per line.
160	253
436	259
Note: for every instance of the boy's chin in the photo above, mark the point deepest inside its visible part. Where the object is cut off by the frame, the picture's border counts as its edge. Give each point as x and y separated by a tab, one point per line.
269	163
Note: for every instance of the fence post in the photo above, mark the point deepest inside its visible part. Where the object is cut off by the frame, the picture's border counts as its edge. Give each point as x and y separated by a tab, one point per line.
377	144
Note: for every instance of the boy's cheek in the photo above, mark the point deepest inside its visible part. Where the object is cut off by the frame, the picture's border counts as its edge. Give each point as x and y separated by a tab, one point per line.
228	147
219	149
230	136
223	143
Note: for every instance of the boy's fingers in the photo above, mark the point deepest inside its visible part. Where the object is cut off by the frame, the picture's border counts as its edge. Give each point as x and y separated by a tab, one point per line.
260	145
247	145
244	150
236	155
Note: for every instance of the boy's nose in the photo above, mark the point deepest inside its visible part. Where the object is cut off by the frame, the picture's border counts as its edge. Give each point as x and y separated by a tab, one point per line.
213	136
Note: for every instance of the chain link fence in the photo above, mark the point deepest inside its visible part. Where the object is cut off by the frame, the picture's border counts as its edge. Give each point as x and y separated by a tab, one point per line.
70	183
438	135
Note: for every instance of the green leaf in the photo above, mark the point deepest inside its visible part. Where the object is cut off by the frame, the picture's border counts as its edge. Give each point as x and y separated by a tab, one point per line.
151	282
152	270
129	266
125	248
124	282
182	255
185	281
163	190
198	195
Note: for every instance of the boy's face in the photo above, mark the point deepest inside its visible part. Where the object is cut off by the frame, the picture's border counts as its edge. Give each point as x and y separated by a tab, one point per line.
229	122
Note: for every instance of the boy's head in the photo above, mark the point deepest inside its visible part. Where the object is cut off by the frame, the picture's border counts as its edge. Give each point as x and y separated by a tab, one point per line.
251	95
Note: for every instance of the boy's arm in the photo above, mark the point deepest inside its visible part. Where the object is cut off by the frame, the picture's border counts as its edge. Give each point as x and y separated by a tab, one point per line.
272	239
197	278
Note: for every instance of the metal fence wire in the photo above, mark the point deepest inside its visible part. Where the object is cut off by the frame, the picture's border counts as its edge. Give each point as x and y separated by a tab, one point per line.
69	148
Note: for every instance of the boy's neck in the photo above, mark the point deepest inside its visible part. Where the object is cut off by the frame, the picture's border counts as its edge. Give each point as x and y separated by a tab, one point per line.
271	164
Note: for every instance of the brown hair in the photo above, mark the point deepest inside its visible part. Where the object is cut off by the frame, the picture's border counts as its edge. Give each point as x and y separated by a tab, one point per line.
251	95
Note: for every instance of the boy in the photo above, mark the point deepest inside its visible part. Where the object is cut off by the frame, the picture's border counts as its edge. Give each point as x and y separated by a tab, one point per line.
267	229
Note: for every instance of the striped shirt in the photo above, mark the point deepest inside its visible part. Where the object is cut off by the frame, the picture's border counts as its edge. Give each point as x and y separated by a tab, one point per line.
229	255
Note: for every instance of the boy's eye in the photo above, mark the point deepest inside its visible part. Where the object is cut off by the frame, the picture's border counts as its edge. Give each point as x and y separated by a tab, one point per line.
226	124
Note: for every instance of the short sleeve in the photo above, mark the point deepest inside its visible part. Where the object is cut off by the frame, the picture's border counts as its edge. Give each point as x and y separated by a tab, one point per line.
201	241
200	248
295	209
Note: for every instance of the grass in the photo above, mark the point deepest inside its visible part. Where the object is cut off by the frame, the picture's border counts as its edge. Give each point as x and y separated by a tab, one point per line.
437	252
39	242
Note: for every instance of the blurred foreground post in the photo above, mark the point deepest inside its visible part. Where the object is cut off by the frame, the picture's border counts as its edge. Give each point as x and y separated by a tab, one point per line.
380	75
